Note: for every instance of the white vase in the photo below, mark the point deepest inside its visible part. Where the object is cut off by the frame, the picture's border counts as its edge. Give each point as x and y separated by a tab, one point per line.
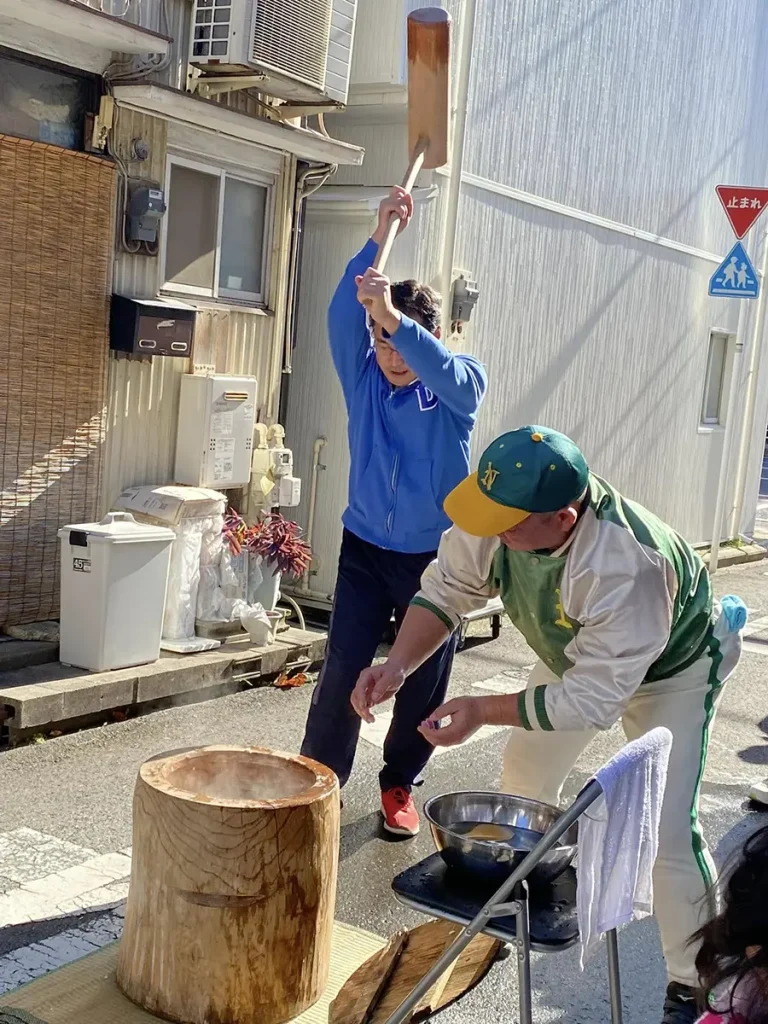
267	592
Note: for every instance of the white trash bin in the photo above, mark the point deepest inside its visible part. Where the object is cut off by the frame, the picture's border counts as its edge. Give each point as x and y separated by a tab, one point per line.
114	576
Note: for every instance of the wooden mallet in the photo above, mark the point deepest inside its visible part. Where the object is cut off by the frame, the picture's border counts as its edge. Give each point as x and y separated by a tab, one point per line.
429	87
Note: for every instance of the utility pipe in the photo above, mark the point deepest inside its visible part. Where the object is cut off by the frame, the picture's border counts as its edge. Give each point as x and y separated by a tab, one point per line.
317	447
753	377
293	604
320	597
728	435
322	171
450	224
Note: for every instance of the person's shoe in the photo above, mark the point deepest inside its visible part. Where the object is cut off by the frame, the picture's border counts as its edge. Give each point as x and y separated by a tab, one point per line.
759	793
400	815
680	1006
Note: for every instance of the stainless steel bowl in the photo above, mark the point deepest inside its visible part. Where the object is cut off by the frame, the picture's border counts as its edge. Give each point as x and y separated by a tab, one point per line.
491	861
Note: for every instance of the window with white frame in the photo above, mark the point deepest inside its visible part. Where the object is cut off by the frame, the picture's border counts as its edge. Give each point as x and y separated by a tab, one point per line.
713	407
216	232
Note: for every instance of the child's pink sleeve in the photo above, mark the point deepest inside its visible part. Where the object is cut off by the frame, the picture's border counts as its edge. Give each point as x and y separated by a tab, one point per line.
716	1018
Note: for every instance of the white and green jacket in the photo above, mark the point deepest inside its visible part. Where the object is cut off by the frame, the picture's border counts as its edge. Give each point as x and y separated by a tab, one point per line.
624	601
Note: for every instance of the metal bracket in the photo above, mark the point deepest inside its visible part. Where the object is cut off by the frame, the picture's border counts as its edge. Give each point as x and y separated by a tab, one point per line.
291	110
506	909
216	85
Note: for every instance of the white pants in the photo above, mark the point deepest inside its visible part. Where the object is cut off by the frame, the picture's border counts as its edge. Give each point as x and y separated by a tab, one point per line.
536	765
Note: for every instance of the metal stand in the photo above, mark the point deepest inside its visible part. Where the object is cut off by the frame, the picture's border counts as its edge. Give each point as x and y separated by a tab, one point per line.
614	976
494	611
523	953
499	906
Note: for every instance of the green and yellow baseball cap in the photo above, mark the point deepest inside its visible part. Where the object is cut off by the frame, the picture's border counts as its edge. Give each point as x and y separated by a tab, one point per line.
533	469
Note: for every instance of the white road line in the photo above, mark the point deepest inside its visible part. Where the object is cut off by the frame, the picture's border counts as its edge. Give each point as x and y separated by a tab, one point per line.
755	646
511	681
26	854
376	734
57	879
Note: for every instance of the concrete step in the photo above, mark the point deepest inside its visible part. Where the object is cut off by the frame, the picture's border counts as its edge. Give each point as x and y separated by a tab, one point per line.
16	654
39	698
736	554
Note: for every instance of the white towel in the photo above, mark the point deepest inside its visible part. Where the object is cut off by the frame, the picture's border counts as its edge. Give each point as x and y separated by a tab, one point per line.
619	839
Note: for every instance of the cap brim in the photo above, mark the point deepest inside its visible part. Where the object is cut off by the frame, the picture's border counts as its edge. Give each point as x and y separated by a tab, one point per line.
475	513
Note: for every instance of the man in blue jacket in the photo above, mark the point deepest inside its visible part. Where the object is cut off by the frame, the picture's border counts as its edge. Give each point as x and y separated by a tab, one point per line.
411	405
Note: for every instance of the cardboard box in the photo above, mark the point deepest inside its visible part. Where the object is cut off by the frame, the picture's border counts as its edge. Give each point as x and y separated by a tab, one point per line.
170	504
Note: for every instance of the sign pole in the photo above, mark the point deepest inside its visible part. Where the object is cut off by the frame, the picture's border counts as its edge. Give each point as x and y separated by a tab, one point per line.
728	436
735	278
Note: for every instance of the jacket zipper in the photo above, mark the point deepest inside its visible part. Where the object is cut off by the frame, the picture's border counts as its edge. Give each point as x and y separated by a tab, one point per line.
395	465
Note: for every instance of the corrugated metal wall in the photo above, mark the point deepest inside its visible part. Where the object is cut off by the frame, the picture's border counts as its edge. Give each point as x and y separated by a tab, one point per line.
590	330
616	111
144	393
315	402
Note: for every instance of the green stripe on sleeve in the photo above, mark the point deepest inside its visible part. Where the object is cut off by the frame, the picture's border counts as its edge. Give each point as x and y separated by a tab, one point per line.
522	711
421	602
540	706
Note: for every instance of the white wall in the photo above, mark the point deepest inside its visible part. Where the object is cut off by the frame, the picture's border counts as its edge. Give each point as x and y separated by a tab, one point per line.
616	110
339	220
594	127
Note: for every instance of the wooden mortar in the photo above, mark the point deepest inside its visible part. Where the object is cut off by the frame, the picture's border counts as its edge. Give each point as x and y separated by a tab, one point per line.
233	886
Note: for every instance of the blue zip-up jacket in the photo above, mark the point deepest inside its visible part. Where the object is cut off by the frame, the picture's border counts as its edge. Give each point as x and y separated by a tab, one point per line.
408	446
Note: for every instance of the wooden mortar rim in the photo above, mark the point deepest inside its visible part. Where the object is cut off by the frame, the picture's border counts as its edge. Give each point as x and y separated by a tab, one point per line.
152	772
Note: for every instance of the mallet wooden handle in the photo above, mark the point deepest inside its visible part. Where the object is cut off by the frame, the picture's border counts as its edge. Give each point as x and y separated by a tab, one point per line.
417	160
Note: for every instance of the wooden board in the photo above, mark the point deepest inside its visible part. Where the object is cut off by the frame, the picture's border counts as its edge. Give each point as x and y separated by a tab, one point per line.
360	995
422	948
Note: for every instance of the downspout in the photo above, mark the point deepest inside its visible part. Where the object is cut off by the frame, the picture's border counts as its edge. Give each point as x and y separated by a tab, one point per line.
753	377
317	466
303	191
450	224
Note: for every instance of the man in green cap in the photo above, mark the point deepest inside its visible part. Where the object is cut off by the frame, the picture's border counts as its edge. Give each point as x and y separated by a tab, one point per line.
619	611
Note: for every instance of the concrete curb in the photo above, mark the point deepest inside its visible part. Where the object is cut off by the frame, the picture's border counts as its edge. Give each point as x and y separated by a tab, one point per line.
45	696
736	556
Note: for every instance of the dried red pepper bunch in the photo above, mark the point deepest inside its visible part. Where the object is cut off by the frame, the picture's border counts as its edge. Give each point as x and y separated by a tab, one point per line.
278	541
234	531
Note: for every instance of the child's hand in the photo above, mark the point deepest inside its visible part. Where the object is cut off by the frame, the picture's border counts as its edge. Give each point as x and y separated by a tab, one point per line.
398	203
374	292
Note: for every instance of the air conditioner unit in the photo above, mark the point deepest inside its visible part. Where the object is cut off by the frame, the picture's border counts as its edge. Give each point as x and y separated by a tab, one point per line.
302	47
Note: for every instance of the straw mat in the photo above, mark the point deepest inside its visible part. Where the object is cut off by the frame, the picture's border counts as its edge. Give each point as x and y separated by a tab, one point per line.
85	992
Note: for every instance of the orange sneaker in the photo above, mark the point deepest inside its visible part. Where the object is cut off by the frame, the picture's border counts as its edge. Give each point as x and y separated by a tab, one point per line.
400	815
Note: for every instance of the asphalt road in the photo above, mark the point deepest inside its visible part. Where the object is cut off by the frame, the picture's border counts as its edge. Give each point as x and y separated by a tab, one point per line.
78	789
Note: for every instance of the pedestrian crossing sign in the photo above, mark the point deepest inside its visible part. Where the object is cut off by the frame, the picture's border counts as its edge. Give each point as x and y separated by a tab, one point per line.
735	278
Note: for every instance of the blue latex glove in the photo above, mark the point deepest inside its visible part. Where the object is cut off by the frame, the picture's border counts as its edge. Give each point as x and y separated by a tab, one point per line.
735	612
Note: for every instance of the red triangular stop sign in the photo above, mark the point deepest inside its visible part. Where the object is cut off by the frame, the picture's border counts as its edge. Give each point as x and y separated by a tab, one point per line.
742	205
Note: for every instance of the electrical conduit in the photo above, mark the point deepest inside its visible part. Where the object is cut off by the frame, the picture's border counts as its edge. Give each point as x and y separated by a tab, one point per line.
317	448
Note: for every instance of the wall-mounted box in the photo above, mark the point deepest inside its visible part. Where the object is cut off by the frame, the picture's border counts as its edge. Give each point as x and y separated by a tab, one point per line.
151	327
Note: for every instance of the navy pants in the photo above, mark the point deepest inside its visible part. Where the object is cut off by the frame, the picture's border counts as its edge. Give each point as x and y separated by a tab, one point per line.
372	583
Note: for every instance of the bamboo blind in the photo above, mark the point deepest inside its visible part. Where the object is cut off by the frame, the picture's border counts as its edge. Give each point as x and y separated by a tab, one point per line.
56	245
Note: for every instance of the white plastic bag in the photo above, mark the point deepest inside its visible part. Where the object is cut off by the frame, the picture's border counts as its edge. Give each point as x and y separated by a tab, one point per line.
233	573
183	581
256	621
